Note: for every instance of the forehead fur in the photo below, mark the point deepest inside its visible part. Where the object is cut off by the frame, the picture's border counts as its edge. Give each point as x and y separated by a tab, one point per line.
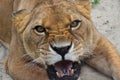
82	6
60	6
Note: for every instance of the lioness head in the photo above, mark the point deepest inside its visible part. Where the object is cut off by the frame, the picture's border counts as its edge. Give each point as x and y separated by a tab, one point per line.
57	35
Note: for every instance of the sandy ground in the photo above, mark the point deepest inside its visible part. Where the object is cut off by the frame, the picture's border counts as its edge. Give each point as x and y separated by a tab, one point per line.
106	17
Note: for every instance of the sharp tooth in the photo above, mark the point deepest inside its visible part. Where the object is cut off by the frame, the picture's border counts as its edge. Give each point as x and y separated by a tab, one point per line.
71	71
58	75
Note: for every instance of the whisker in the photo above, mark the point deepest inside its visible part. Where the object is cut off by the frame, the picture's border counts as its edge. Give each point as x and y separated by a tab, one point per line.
42	50
78	46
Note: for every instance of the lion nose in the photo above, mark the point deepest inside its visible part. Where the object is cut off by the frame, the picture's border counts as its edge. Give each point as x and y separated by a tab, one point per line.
62	50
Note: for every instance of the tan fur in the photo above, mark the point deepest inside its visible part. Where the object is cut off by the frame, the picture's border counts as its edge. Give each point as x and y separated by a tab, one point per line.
55	15
5	20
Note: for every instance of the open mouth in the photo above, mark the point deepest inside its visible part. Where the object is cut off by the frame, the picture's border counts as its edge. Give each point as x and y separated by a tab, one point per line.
64	70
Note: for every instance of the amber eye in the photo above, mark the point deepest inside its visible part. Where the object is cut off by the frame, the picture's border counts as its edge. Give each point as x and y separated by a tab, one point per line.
39	29
75	24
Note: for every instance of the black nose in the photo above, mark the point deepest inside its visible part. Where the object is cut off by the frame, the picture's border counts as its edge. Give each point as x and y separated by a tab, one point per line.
61	50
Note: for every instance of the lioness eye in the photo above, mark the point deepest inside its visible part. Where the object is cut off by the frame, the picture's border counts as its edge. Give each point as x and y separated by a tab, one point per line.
39	29
75	24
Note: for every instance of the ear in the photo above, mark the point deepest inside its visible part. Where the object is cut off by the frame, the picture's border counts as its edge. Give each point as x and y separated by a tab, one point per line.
84	8
20	19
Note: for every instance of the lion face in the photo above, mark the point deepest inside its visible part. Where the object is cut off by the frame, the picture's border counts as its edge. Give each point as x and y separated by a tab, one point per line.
58	37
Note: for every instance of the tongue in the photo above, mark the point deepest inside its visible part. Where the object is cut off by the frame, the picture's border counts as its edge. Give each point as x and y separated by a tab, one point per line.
63	68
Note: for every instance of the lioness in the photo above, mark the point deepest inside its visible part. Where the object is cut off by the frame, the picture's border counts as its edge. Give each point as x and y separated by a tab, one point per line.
50	39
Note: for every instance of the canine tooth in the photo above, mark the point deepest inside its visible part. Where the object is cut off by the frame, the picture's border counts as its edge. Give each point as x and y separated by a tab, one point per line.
58	75
71	71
